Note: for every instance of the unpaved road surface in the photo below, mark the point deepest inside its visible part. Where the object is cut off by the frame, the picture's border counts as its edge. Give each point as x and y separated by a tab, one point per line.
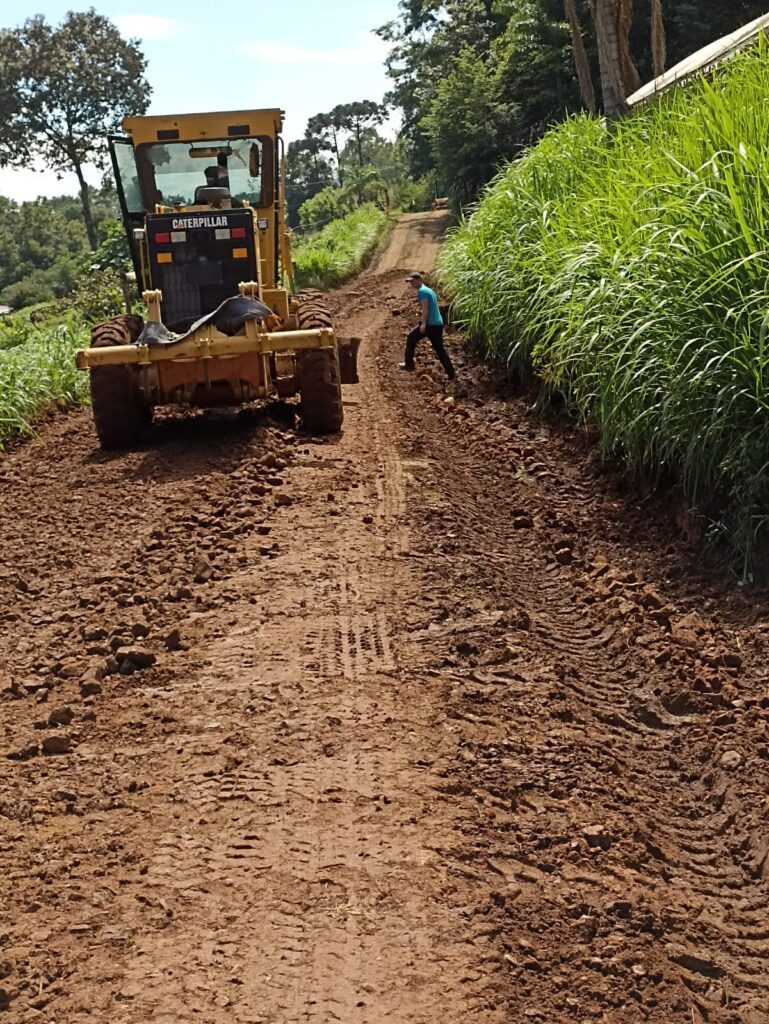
431	723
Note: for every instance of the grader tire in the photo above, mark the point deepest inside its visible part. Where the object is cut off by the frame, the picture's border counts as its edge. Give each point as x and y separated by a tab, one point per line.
321	391
318	372
119	415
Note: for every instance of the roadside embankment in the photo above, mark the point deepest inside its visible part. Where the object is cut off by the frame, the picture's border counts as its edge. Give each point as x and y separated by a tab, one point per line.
627	266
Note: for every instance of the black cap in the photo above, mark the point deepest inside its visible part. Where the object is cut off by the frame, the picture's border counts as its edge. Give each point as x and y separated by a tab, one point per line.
416	276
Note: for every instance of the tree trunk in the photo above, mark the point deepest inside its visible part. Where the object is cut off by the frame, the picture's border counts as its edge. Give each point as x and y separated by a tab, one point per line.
659	42
85	199
338	158
605	16
631	80
580	56
360	144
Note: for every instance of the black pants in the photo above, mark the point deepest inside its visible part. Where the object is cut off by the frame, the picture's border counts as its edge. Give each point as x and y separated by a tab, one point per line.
435	334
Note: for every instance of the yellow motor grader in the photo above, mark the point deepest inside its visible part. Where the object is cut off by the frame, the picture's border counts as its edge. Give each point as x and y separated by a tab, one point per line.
202	199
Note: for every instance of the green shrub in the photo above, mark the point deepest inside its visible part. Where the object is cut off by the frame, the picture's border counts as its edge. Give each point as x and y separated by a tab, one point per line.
322	208
39	375
414	196
629	266
341	249
98	296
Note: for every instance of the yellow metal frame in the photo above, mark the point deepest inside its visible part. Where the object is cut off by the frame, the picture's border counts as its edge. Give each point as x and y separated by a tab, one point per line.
207	343
203	126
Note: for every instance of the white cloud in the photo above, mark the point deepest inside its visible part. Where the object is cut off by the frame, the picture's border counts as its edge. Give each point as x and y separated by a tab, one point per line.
371	52
147	26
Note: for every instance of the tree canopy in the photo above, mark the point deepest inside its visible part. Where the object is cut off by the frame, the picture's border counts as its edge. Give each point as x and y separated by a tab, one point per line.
477	81
62	90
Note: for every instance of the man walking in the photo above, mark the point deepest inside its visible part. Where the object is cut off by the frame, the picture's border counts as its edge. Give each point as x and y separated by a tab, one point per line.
430	326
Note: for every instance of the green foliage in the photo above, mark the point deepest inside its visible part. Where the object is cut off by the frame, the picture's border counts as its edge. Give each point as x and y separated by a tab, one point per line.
365	185
38	374
466	125
307	173
477	80
41	285
98	295
44	246
341	249
112	252
414	196
629	268
324	207
353	120
64	89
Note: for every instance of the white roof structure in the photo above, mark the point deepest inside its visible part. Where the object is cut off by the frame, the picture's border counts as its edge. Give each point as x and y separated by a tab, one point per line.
702	61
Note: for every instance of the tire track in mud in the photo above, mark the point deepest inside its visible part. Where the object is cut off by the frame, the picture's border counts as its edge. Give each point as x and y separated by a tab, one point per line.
256	836
677	829
407	762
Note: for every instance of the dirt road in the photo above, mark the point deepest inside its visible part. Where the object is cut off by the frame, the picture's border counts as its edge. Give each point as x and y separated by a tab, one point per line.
431	722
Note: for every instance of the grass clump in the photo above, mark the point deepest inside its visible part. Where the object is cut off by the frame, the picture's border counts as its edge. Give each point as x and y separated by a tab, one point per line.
341	249
628	265
37	372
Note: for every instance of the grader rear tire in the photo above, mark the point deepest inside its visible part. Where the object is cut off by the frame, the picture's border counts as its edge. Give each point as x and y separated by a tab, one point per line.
318	372
119	415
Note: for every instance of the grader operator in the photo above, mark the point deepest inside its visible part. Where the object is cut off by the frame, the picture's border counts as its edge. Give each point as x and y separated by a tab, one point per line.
203	203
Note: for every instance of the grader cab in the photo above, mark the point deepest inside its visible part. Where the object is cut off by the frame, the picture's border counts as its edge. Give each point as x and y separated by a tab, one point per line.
202	198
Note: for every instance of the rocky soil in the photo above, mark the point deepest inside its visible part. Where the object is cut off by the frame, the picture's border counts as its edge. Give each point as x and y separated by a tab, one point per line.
431	722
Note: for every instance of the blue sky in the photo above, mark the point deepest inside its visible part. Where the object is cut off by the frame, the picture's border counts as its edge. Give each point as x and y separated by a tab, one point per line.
302	55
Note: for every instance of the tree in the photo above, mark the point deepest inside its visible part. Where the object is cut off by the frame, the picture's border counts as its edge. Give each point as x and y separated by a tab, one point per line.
307	173
364	185
581	59
468	125
425	38
619	75
356	118
688	25
321	209
506	68
63	90
327	128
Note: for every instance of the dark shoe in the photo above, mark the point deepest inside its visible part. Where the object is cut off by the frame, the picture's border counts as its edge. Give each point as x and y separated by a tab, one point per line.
406	366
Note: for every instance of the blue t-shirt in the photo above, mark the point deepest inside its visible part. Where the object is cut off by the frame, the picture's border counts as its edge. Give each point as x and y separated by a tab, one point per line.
434	318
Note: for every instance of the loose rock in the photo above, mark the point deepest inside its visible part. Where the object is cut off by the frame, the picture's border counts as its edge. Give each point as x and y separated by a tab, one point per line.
173	640
730	760
59	743
61	716
139	657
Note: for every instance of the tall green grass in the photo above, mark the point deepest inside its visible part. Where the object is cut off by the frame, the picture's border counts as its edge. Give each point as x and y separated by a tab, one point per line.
341	249
629	267
37	373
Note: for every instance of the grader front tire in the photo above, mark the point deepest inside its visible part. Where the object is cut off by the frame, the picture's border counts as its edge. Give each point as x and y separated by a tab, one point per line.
119	415
321	391
318	372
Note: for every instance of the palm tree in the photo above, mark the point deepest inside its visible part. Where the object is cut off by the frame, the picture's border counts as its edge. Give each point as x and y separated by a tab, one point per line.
363	185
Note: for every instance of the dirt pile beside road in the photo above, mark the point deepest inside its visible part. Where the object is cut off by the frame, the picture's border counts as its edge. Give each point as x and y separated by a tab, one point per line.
429	722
